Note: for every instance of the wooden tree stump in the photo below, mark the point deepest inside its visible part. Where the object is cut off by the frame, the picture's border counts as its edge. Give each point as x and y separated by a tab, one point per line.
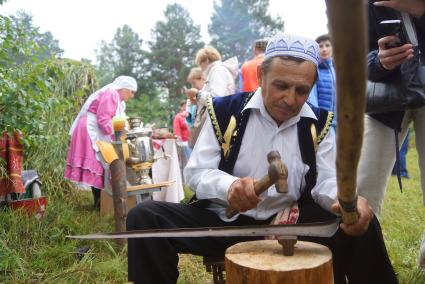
263	262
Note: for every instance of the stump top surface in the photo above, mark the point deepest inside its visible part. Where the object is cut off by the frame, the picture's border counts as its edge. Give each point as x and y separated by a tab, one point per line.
268	255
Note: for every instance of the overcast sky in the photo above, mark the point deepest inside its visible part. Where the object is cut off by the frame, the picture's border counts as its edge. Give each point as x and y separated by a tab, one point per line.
80	25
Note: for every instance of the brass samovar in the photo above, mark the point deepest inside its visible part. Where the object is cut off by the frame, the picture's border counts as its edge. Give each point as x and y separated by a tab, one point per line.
141	154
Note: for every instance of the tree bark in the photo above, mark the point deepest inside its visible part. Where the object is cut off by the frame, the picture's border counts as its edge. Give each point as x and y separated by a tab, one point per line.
347	23
119	192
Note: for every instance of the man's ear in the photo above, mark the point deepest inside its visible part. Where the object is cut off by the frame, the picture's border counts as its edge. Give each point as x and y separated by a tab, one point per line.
259	75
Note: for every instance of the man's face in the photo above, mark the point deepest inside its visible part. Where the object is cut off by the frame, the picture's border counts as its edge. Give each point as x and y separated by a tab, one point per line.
285	87
325	49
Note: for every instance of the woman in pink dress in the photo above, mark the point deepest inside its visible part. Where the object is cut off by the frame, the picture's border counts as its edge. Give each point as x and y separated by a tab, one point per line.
94	123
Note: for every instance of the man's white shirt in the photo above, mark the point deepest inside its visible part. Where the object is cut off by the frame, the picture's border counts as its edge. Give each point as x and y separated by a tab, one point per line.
262	135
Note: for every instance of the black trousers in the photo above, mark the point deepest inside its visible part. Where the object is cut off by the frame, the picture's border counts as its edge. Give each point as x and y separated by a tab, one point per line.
96	197
361	260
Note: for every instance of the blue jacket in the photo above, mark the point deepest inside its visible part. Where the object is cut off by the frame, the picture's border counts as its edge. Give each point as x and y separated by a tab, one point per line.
323	93
326	97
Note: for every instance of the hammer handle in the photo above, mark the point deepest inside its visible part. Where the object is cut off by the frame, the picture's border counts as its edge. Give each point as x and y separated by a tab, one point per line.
259	187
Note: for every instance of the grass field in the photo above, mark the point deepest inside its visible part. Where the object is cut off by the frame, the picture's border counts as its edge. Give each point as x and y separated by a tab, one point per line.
34	252
403	221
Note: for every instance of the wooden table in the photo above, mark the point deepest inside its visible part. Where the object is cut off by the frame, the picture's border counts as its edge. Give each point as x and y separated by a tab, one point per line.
166	170
136	194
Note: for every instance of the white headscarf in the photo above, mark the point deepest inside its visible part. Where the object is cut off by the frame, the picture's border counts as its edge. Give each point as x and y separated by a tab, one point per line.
121	82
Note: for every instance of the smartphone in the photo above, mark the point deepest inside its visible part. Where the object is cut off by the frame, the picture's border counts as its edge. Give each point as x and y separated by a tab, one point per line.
395	28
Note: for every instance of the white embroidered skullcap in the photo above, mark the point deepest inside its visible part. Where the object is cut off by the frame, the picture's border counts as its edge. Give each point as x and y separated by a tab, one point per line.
126	82
296	46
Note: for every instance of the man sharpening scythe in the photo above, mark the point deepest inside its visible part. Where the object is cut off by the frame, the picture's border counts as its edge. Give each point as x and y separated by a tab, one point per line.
229	159
230	156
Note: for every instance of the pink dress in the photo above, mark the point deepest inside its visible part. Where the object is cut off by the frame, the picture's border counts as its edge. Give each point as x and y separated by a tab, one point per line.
82	166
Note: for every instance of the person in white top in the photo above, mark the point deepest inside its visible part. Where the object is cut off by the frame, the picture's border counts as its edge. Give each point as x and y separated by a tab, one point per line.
219	81
274	116
220	76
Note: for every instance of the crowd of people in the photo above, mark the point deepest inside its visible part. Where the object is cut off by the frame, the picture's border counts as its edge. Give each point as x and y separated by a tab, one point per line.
287	88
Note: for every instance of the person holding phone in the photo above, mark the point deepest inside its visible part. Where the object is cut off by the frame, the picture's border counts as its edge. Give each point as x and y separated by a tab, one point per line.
219	81
395	29
384	60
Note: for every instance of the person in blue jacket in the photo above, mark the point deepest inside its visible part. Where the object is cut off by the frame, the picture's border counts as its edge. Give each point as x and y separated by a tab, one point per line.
323	94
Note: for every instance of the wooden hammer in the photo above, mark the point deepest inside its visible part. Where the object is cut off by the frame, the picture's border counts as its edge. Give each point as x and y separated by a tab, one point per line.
277	175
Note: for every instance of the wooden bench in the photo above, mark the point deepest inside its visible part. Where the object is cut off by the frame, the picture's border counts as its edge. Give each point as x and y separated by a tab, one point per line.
215	265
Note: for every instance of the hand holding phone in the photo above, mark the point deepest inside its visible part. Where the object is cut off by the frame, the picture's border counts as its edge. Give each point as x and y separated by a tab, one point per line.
393	28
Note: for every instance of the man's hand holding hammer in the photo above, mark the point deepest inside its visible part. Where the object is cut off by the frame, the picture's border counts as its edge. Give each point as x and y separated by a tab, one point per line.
244	193
242	196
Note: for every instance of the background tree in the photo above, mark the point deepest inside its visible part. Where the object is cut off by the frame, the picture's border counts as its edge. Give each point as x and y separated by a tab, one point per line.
42	45
124	56
25	88
174	44
235	24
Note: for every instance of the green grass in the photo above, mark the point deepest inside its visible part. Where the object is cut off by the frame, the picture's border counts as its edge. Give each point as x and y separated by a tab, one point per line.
38	252
403	222
34	252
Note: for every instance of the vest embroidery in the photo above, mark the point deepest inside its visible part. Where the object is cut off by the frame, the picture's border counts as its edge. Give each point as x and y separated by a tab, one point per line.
214	119
326	127
226	146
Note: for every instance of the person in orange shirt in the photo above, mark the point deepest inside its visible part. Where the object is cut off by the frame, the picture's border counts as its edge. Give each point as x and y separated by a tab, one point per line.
249	68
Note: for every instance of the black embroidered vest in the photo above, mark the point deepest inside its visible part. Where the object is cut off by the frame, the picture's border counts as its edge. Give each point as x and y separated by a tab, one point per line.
230	120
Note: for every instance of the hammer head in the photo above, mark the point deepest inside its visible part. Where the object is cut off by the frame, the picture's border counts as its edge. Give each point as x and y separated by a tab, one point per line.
278	172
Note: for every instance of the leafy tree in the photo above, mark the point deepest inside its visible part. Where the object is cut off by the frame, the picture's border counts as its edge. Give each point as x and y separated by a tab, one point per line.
23	87
174	44
28	91
152	110
43	45
70	83
235	24
40	99
124	56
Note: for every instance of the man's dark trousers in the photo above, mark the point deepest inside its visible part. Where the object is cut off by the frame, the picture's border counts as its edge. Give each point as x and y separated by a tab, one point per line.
154	260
